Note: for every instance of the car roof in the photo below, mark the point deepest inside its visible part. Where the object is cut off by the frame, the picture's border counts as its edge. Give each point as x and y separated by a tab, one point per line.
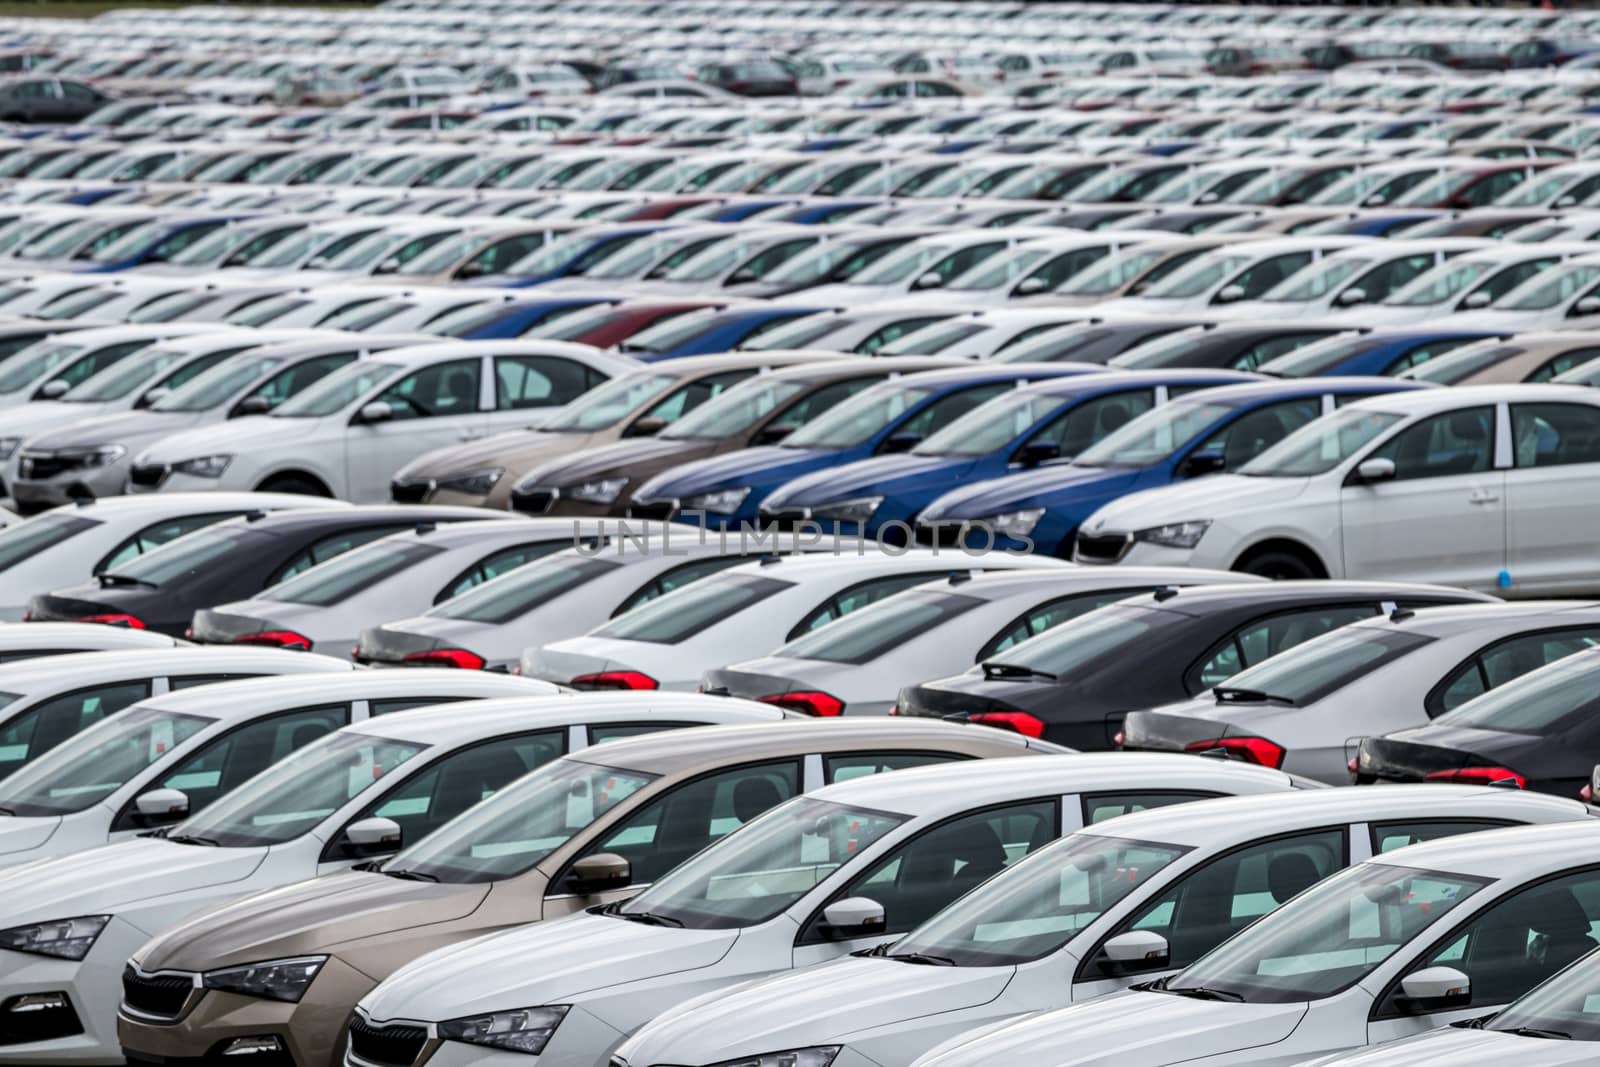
1453	619
141	504
446	724
1426	401
77	635
70	671
1516	853
1286	388
340	514
248	696
1213	595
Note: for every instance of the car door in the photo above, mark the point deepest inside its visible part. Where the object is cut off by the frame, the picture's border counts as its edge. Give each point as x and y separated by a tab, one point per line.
527	386
1555	461
432	407
1441	517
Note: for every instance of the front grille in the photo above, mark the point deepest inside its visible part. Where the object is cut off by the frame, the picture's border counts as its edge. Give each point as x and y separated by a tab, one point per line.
412	492
148	475
38	467
533	501
389	1046
161	995
665	510
26	1018
1106	549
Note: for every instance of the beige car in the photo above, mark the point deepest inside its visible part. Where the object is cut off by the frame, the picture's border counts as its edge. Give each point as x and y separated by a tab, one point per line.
581	831
636	405
1527	357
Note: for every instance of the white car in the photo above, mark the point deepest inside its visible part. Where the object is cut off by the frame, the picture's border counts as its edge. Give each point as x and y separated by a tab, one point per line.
1038	266
749	609
1307	709
879	856
69	546
1485	487
928	263
345	435
325	608
1467	282
18	642
858	665
1566	297
168	757
1229	275
48	368
986	334
1353	278
1428	935
359	792
55	697
1070	925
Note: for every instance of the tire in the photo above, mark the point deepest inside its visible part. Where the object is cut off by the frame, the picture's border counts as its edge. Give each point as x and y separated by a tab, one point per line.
293	483
1277	565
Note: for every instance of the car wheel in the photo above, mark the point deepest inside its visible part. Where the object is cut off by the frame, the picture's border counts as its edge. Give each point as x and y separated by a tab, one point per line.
1277	564
293	483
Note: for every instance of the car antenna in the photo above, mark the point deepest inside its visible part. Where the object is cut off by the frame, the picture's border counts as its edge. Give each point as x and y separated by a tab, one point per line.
957	577
254	514
1165	592
1396	613
426	526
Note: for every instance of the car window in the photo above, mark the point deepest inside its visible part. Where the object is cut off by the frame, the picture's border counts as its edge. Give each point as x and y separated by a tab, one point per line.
1081	426
329	547
682	821
442	389
1388	836
1218	899
1511	658
376	708
676	578
496	564
1456	442
860	595
24	540
599	733
1554	435
691	395
539	381
1038	619
947	409
351	573
705	603
1561	364
156	535
190	681
1384	279
1422	353
867	634
50	722
892	332
917	879
1098	807
1267	637
845	767
817	402
1252	433
1258	278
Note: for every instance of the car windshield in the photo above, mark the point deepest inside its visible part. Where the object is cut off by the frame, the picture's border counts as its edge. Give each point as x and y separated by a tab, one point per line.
123	377
1330	937
1040	903
292	797
214	246
36	361
671	332
734	411
131	243
864	635
24	540
1544	702
1154	436
829	260
687	611
1319	357
801	333
999	271
1317	282
84	770
512	595
1200	276
1321	445
1113	272
1309	671
217	385
763	867
1546	291
992	426
1463	363
857	419
902	264
337	391
608	404
521	824
1439	285
1564	1007
351	572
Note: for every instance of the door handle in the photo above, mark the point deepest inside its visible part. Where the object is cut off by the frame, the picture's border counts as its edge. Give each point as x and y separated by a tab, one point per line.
1482	496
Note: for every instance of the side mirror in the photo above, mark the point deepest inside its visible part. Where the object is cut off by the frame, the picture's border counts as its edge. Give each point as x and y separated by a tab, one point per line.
852	917
741	276
1029	287
253	405
600	872
1375	200
1135	952
1230	294
1589	305
51	390
388	266
1565	201
469	270
1208	198
901	442
1036	452
1375	470
1479	299
930	280
1353	295
161	806
648	426
772	435
153	396
1434	989
371	837
377	411
1204	463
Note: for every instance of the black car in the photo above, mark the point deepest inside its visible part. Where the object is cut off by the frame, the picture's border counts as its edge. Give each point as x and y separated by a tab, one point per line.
1540	731
41	98
1228	346
1083	677
750	77
233	560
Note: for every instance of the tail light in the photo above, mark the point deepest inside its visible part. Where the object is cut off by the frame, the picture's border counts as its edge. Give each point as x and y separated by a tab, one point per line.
821	705
1118	739
1354	767
459	658
1586	794
1019	721
615	680
1257	750
1501	776
127	622
276	639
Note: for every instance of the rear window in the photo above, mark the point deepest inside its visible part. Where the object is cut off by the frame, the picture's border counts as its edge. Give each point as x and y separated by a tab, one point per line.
27	539
515	594
348	574
686	612
867	634
189	554
1069	647
1310	671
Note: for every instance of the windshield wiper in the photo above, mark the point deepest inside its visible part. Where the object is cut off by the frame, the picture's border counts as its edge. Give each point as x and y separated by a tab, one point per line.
921	957
649	918
993	669
881	949
191	839
410	876
1535	1031
6	811
112	578
1254	696
1202	993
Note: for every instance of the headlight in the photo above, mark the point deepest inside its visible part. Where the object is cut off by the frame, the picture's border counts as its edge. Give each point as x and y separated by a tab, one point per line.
204	466
722	502
476	483
67	939
285	980
1175	534
601	492
8	446
815	1056
99	457
524	1030
858	510
1015	524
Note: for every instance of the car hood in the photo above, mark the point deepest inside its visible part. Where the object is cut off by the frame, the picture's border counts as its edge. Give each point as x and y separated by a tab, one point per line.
24	833
892	473
515	450
1127	1030
547	963
134	428
815	1005
1197	499
1044	487
112	877
766	463
233	436
41	416
618	457
315	915
1453	1047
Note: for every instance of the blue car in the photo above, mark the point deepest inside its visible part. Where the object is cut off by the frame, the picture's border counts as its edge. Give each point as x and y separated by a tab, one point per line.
1211	431
701	333
156	241
513	318
568	255
891	417
1026	428
1384	351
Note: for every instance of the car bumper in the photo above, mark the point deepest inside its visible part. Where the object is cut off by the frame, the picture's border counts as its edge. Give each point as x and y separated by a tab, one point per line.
310	1033
174	482
36	494
92	986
